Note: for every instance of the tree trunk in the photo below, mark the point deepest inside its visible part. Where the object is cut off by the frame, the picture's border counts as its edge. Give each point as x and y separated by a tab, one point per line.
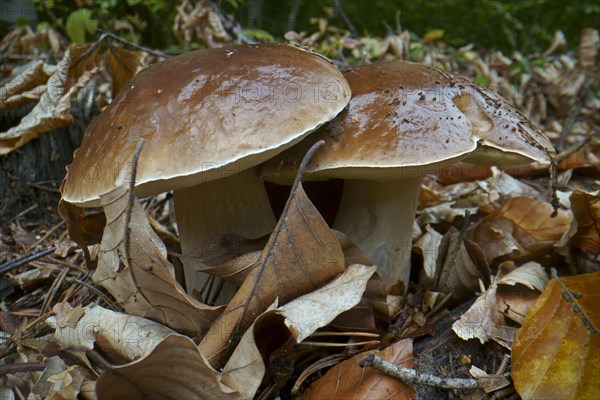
32	174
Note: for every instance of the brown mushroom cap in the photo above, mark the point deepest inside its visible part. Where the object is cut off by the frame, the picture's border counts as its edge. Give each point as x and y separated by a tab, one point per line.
205	115
406	119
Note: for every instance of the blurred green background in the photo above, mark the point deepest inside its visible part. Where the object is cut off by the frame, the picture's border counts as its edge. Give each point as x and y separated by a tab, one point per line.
508	25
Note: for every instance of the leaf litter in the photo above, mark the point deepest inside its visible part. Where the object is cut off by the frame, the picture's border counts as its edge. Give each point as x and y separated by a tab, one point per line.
508	222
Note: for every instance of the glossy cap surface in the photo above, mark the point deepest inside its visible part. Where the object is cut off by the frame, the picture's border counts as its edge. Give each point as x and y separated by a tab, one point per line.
205	115
406	119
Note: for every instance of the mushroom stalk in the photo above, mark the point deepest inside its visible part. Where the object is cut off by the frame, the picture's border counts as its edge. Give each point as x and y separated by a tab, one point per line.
378	217
236	204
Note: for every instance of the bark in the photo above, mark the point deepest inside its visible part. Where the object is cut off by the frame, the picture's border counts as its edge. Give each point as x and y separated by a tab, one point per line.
40	164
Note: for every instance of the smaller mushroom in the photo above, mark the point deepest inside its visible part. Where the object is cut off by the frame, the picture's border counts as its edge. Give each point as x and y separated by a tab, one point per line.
405	120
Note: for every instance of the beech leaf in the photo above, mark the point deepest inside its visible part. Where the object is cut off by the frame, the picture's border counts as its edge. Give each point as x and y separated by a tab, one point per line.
556	353
520	228
302	254
121	337
173	370
348	380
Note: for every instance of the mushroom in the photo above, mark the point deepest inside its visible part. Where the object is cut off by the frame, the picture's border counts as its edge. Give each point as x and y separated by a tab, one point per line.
405	120
208	119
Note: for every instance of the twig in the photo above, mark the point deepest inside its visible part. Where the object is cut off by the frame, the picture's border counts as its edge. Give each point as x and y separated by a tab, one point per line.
48	233
410	376
325	344
53	290
39	186
328	361
94	289
21	367
22	213
53	18
569	151
10	265
133	44
339	9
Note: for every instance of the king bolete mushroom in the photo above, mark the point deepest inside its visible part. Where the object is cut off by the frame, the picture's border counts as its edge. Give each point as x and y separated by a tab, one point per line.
208	118
404	120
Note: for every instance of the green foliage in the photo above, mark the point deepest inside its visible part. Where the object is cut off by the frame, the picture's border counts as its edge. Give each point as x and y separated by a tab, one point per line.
523	25
79	23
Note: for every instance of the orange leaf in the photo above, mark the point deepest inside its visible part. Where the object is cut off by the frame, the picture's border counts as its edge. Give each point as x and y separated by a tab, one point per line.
520	228
556	353
586	209
348	380
124	64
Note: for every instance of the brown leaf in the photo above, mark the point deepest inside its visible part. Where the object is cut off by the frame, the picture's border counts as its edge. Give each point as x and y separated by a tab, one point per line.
428	247
53	110
173	370
301	255
296	320
31	80
307	313
120	337
67	384
556	353
228	256
348	380
484	320
461	265
586	210
520	228
123	64
146	285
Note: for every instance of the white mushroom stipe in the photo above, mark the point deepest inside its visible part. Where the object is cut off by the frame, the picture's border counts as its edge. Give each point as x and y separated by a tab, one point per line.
237	204
378	217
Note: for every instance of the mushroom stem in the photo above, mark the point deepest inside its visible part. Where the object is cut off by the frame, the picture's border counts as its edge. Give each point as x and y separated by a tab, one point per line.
378	217
236	204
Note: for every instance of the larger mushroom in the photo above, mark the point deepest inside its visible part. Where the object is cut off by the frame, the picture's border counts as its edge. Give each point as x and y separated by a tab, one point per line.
208	118
404	120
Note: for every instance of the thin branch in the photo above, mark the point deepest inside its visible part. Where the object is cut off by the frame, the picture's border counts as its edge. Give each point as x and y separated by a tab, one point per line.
10	265
133	44
339	9
410	376
21	367
53	18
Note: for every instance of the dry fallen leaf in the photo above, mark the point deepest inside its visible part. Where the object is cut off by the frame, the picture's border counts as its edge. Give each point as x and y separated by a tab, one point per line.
585	227
228	256
123	64
301	255
146	285
428	247
556	353
520	228
348	380
484	320
120	337
307	313
460	266
26	87
173	370
67	384
301	317
53	110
